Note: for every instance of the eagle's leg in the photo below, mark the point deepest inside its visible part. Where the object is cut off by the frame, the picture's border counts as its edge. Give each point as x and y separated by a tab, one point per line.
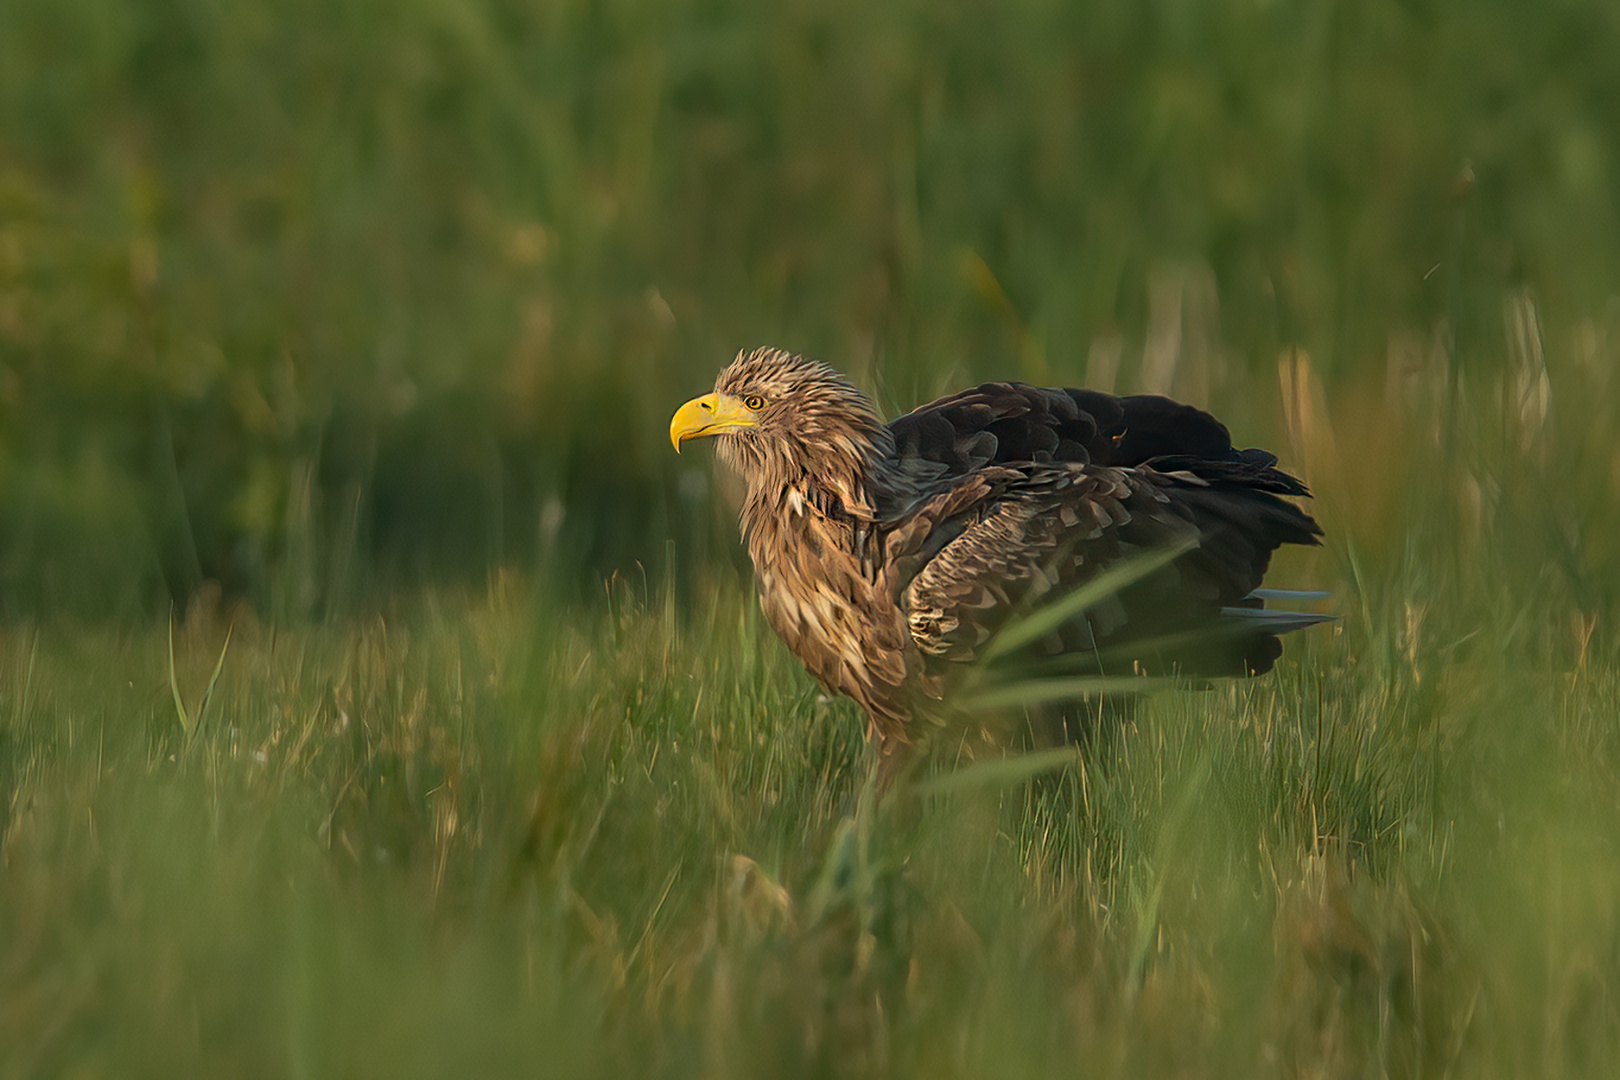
891	757
884	762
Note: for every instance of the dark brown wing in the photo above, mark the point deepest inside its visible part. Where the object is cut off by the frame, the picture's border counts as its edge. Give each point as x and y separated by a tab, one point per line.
1029	531
1152	470
1036	529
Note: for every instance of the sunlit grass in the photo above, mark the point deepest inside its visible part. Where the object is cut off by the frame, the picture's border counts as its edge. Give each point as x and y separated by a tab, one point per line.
474	835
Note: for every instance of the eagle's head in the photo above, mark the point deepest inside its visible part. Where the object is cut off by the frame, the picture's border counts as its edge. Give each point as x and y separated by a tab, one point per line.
780	417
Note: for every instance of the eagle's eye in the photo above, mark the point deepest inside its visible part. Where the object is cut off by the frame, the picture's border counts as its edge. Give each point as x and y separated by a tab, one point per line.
754	402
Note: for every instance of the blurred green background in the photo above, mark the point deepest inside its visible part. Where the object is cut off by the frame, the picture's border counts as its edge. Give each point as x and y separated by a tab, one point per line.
314	300
352	329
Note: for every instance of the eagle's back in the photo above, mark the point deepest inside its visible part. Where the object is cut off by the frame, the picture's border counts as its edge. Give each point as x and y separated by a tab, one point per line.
1005	423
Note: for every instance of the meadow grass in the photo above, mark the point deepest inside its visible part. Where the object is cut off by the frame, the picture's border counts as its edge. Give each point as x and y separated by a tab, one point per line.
476	838
379	696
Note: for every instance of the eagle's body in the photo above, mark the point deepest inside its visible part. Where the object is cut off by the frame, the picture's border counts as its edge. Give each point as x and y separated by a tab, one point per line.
888	554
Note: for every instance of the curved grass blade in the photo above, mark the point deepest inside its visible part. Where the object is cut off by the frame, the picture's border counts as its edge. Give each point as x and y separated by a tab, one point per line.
1000	773
174	681
1042	691
1042	621
213	680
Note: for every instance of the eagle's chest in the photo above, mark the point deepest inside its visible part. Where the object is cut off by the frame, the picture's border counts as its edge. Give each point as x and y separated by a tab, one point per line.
818	592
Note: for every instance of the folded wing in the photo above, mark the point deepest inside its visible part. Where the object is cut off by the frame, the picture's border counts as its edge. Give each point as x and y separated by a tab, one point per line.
1041	489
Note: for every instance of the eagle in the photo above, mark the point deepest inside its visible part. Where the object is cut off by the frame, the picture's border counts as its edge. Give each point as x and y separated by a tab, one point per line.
888	555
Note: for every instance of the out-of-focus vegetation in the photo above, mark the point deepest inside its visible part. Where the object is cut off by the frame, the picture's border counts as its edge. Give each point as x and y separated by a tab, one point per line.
356	327
311	298
489	841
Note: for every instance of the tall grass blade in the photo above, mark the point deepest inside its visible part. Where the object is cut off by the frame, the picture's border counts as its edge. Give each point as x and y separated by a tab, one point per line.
1000	773
1042	691
174	682
213	680
1044	620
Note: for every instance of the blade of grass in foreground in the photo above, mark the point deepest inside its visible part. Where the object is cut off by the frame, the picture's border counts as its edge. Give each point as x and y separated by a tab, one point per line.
174	682
213	679
1041	691
1002	772
1044	620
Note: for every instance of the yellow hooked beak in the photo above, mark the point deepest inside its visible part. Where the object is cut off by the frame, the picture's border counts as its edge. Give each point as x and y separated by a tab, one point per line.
711	414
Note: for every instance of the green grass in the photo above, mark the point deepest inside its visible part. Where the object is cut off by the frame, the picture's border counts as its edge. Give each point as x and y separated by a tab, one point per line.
496	832
349	333
477	839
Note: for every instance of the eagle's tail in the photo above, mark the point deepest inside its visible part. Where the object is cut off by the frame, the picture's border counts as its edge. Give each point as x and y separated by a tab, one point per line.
1264	620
